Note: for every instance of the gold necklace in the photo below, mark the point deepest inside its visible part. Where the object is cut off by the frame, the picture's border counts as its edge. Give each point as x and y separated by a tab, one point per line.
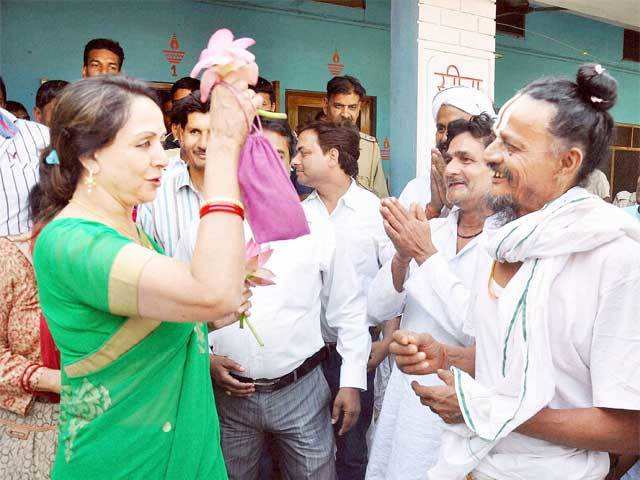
123	228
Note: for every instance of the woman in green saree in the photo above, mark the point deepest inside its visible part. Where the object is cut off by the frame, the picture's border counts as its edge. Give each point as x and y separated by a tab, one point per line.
130	322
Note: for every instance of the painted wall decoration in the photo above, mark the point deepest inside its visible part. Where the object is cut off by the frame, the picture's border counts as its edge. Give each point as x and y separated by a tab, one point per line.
174	56
335	67
60	30
452	78
385	150
438	70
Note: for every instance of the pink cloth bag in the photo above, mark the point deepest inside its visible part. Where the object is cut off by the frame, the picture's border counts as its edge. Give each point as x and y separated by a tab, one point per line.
271	203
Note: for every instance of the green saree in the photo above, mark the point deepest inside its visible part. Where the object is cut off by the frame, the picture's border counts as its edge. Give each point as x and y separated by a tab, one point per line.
136	396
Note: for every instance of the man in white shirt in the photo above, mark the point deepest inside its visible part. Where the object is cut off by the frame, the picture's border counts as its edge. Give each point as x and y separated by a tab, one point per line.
327	160
552	381
21	142
453	103
178	201
434	294
598	184
279	389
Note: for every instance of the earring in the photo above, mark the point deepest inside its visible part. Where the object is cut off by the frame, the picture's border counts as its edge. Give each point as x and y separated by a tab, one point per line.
90	182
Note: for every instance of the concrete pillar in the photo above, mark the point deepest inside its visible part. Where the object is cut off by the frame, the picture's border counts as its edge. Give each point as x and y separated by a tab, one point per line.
456	46
403	84
434	44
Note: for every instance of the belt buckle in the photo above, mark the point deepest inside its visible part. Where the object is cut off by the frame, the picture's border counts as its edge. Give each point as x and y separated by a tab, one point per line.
265	383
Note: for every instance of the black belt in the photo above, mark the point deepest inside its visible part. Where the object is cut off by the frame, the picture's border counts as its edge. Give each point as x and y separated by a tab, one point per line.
273	384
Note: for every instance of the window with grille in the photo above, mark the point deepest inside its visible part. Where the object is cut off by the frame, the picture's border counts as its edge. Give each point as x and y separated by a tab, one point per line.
511	17
623	167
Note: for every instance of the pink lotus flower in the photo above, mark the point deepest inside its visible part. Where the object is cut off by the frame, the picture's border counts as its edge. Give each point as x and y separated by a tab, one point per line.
222	56
256	275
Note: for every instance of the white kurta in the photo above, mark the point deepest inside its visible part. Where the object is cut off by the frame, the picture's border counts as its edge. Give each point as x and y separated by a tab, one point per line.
594	332
407	435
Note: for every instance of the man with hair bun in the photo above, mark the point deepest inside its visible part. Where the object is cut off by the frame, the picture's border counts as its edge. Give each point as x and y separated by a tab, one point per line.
551	383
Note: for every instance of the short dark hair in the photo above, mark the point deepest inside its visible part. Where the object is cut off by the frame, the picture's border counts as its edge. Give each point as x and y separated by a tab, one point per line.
345	85
187	105
186	83
48	91
343	136
3	89
264	86
479	126
281	127
582	116
104	44
163	96
14	107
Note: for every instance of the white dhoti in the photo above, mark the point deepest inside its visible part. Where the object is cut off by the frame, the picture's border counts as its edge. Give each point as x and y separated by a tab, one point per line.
407	437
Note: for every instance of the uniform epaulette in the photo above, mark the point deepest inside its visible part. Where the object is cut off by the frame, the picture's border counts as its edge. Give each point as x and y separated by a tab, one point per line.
367	137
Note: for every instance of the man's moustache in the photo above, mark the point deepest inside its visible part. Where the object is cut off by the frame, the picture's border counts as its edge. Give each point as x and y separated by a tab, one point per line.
504	172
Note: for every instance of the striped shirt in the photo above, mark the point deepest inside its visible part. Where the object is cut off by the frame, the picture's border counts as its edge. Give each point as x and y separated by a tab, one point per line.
19	172
176	206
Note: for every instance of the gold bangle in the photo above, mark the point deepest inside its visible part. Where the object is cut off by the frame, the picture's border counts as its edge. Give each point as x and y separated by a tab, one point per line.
224	200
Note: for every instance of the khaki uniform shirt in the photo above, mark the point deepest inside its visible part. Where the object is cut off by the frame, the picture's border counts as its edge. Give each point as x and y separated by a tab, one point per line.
370	173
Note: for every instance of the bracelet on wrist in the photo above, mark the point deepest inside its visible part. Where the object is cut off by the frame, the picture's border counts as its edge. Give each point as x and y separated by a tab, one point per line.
25	374
221	207
25	382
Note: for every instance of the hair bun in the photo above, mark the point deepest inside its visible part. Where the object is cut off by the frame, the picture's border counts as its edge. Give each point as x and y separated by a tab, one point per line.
597	87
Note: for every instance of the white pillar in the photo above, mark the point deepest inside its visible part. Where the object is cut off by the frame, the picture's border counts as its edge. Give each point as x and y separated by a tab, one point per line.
456	46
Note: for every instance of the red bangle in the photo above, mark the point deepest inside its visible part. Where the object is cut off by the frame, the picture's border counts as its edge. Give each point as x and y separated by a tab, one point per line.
221	207
27	382
24	374
26	377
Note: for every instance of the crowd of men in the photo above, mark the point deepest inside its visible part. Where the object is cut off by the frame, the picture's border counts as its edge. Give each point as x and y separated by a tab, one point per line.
409	276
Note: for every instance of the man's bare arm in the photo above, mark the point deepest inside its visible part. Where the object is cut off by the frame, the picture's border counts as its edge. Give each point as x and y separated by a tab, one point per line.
463	358
399	268
598	429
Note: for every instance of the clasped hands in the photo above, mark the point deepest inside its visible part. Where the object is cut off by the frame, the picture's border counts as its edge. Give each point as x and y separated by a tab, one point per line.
421	354
408	230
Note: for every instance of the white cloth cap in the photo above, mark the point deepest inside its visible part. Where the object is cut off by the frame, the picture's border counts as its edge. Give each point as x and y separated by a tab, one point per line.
467	99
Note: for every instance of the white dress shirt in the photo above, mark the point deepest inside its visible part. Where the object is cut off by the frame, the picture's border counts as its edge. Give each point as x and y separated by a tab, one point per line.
314	278
358	225
175	208
19	160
